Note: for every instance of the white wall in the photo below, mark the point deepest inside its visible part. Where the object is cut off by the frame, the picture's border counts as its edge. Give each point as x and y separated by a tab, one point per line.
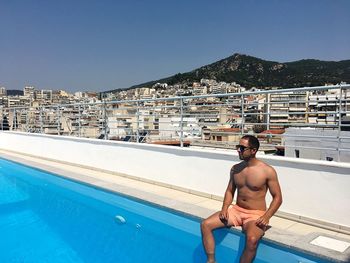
323	143
312	189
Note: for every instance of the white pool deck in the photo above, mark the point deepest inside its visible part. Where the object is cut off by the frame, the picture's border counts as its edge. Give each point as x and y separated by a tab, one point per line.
331	244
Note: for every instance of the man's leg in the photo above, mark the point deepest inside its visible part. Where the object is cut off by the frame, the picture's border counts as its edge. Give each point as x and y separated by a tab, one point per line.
253	234
207	227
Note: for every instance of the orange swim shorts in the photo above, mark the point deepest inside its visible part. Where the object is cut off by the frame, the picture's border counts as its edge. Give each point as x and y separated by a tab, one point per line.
238	216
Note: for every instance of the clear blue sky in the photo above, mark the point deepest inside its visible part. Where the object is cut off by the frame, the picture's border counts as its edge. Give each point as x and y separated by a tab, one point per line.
100	45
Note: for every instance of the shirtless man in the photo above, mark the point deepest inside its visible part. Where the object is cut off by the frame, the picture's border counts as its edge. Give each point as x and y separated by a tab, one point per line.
251	178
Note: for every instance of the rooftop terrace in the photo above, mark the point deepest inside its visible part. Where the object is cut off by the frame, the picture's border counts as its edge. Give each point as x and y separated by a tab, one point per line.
291	227
192	180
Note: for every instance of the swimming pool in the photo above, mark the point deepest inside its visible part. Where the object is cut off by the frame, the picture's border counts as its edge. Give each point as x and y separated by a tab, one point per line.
46	218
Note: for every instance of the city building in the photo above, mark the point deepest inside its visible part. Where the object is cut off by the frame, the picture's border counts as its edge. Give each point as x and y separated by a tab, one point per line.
3	91
28	91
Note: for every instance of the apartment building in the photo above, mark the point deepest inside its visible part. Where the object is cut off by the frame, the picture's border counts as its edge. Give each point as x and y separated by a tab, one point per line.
278	109
323	106
28	91
16	101
221	134
3	91
170	127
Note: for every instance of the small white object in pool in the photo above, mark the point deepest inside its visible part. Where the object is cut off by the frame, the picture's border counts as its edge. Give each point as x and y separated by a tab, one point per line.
120	219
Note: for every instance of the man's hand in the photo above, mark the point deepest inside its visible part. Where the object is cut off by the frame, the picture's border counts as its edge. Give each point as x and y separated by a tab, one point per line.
262	221
223	216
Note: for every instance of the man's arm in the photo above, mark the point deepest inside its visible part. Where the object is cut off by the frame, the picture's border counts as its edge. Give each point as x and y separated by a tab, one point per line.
228	198
275	190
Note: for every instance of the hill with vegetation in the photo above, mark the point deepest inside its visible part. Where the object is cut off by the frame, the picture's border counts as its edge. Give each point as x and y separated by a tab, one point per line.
251	72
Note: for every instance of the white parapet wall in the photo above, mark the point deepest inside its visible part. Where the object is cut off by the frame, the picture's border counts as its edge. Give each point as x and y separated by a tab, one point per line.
317	190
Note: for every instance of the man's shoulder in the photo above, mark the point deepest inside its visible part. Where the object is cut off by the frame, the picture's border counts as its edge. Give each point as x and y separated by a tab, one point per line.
262	163
238	167
269	171
268	168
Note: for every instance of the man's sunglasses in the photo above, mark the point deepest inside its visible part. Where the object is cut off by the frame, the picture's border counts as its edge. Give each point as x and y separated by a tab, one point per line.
241	148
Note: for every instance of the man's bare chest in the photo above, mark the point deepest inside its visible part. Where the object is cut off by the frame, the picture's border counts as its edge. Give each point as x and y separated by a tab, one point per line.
255	181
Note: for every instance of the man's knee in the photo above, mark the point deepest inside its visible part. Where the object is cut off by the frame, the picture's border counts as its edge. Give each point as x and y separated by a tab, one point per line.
252	242
205	226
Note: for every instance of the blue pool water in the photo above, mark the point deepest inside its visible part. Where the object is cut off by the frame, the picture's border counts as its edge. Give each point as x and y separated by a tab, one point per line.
46	218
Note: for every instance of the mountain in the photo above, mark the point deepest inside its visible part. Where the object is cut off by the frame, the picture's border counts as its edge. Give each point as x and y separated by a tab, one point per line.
251	72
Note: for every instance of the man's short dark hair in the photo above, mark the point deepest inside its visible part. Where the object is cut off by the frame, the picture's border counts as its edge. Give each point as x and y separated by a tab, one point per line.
252	141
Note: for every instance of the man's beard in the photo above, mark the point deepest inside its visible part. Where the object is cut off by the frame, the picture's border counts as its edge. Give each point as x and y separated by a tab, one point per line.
241	157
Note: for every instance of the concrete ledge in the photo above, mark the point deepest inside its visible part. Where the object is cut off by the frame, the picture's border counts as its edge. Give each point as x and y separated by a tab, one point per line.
297	218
